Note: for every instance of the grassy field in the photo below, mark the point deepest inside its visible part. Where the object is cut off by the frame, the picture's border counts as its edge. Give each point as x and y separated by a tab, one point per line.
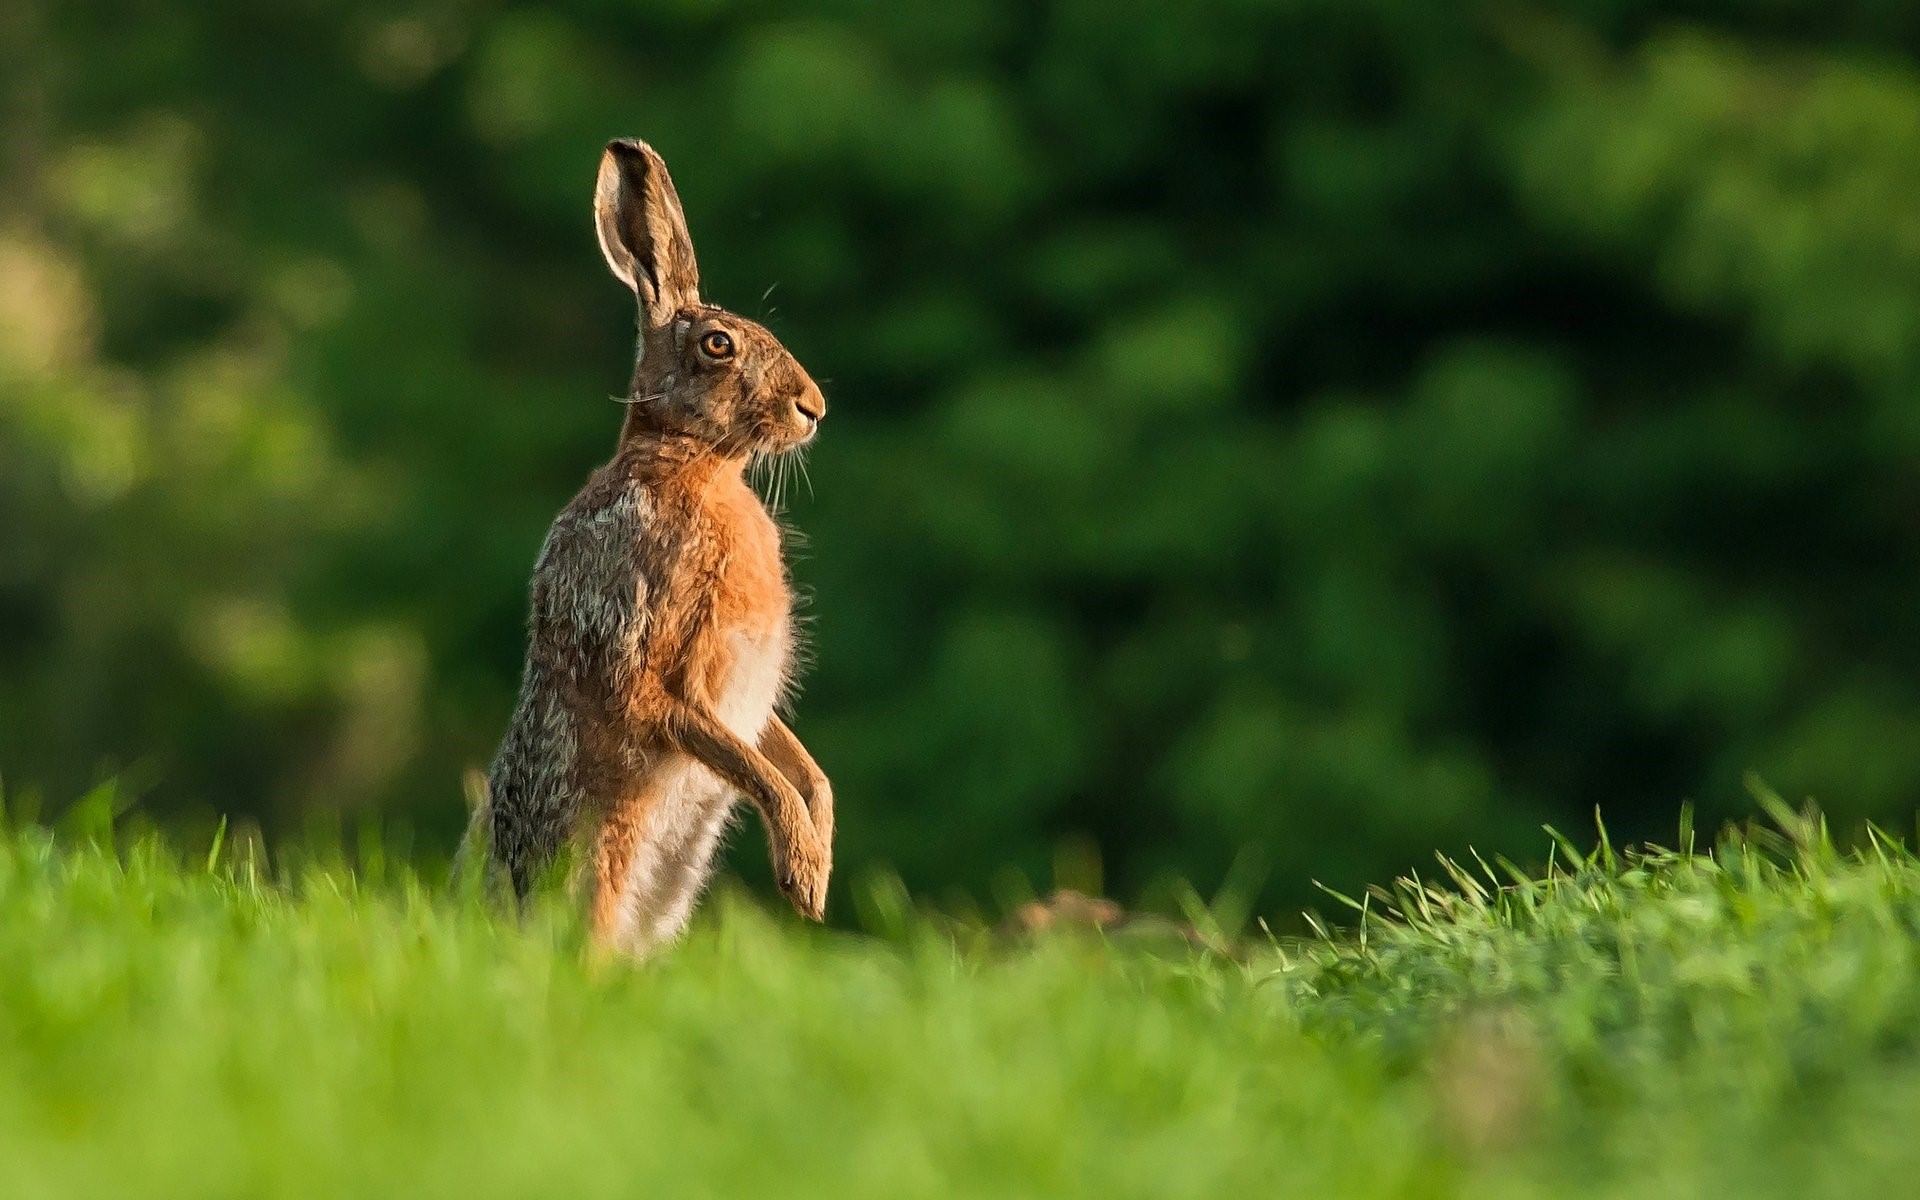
1740	1022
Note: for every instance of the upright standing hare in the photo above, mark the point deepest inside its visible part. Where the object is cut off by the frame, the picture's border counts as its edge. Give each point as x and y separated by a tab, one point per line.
661	634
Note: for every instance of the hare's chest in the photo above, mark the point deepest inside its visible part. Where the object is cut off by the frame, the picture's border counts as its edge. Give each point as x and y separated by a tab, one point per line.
750	636
749	644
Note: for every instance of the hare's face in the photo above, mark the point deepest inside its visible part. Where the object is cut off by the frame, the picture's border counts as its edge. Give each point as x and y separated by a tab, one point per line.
704	373
724	380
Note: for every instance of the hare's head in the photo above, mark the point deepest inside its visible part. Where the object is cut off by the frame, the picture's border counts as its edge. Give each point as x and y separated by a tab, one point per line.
702	373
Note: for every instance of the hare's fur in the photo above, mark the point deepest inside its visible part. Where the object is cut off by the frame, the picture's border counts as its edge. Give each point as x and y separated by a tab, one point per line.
660	636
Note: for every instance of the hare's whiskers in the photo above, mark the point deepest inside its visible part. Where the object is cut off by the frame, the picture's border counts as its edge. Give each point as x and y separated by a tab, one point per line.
800	464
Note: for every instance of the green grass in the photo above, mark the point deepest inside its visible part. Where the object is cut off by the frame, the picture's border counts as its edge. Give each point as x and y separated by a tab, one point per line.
1745	1022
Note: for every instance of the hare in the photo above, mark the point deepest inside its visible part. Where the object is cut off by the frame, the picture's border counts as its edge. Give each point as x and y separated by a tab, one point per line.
661	632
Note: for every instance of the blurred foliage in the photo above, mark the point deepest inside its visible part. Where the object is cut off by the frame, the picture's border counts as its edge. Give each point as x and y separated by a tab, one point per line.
1329	430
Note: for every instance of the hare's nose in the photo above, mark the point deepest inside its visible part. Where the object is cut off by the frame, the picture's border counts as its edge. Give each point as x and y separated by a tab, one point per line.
810	404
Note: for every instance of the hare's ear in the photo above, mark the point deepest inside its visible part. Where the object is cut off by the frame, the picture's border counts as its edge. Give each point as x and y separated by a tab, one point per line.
643	233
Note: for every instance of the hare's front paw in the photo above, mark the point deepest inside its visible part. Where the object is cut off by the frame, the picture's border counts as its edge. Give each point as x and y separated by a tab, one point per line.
820	808
802	871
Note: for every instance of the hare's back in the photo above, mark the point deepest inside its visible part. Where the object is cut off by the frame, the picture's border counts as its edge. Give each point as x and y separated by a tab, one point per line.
590	584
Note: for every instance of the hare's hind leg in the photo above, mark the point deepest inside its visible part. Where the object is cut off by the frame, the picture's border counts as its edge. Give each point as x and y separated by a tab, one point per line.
617	846
679	861
653	854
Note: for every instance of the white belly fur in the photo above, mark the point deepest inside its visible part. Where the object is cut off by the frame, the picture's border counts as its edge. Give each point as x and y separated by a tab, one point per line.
684	824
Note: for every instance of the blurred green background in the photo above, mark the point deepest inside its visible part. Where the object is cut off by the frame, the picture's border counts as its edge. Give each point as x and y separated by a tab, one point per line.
1322	431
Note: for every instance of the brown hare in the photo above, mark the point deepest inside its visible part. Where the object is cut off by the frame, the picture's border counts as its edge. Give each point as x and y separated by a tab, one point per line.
661	631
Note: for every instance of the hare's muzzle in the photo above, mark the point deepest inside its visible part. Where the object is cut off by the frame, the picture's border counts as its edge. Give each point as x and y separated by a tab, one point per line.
810	406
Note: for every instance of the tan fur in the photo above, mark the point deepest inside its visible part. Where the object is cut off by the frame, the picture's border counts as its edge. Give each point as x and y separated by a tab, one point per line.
661	631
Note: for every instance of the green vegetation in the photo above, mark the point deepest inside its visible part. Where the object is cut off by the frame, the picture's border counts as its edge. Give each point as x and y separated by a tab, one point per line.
1657	1023
1336	427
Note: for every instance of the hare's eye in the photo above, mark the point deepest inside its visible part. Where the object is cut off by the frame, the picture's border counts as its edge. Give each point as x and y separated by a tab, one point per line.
715	344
